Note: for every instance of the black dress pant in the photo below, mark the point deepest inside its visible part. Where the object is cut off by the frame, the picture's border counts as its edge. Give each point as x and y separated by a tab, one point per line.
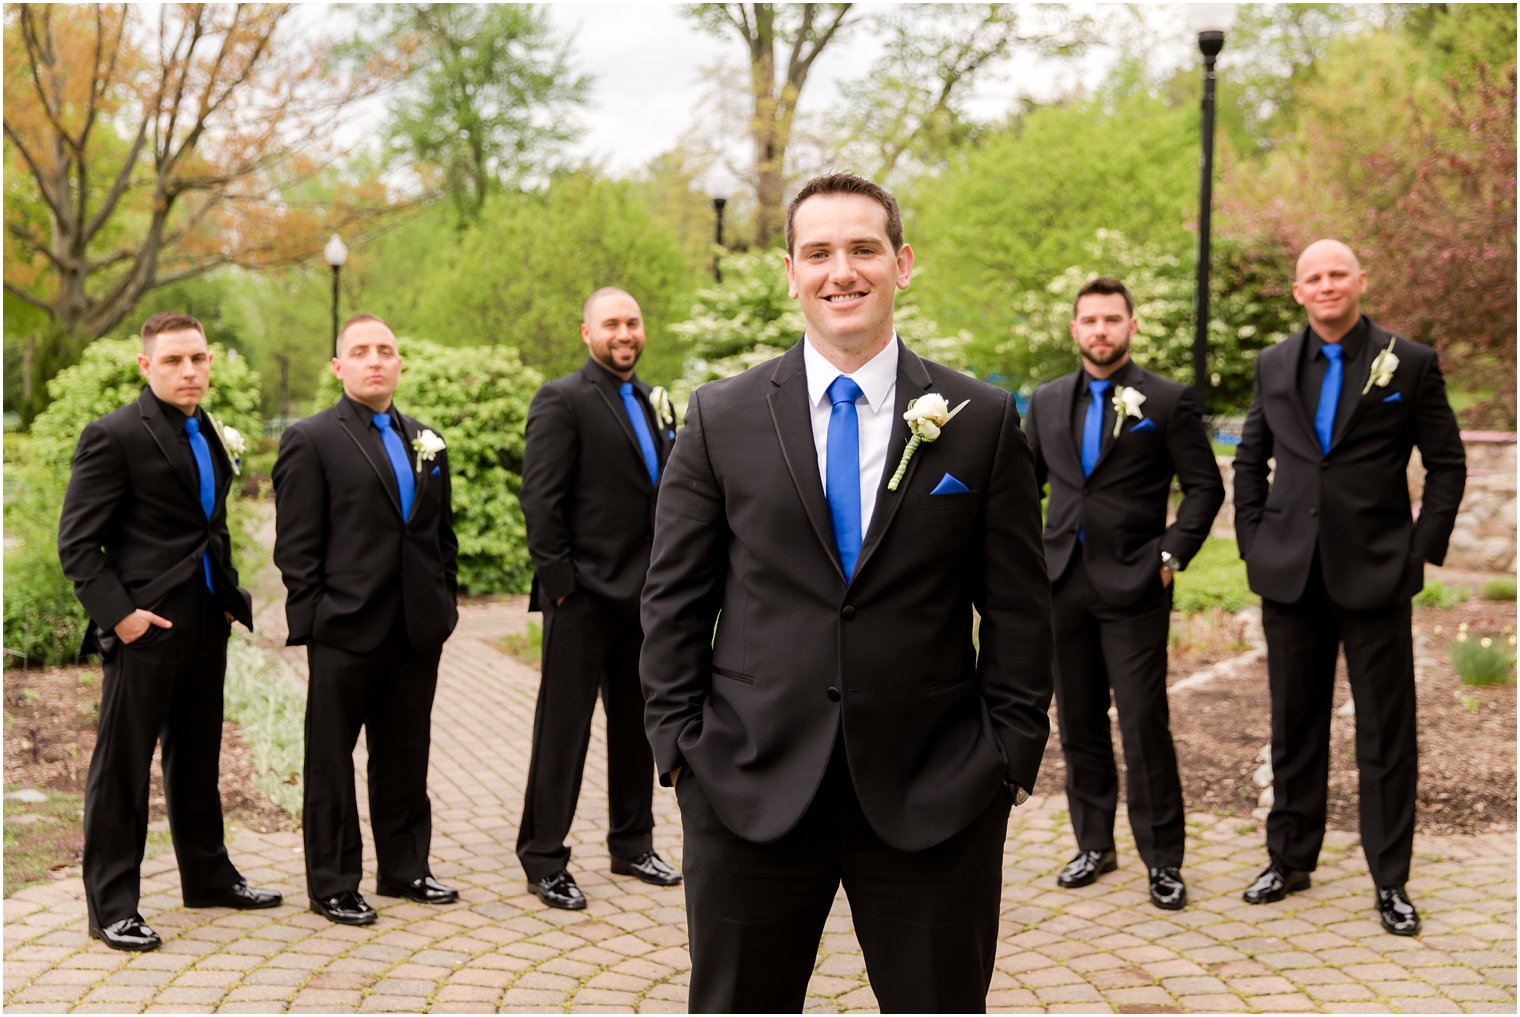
387	691
1100	647
927	921
165	686
588	646
1302	639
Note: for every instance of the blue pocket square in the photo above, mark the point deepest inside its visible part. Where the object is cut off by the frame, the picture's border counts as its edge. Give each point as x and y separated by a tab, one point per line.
1146	424
437	470
1397	397
949	485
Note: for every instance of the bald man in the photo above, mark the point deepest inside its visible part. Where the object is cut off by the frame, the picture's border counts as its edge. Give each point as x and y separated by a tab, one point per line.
591	469
1332	547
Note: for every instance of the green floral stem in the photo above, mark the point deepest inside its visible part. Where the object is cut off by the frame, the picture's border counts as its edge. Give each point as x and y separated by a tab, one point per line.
902	465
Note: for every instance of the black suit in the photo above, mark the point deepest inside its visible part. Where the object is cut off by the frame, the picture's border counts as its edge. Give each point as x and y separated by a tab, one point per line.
588	502
836	732
1112	613
372	596
1331	547
133	534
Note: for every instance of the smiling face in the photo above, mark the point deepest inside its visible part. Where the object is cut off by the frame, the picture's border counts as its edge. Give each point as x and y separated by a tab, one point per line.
1102	329
843	271
1328	285
613	331
177	365
368	364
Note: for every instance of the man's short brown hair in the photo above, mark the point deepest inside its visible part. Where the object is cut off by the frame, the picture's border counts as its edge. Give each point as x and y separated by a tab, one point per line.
1104	286
848	183
168	321
359	319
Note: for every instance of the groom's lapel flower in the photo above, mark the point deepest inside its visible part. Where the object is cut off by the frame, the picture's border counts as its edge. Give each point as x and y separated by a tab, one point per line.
659	401
233	442
1126	404
926	416
427	445
1383	366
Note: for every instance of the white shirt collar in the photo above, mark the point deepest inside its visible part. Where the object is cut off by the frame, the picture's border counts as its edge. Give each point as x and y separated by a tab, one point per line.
876	377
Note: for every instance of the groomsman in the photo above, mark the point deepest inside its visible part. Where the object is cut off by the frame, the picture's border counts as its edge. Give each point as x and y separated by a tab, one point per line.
1109	438
815	694
364	538
591	468
143	537
1331	545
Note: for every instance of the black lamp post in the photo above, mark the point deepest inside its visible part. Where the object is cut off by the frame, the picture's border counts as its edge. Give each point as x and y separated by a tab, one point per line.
336	253
719	186
1210	21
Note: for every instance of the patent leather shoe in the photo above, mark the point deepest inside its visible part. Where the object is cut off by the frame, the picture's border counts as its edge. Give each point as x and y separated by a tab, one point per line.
423	890
131	933
1398	915
647	867
346	908
1168	891
1086	868
1275	882
559	891
239	895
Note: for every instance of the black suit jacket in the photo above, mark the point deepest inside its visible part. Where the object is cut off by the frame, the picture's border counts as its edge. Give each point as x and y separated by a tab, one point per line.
351	564
1352	503
1121	508
743	538
132	527
586	495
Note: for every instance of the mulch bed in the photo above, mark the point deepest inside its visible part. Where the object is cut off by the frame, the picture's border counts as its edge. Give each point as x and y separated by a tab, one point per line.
1467	735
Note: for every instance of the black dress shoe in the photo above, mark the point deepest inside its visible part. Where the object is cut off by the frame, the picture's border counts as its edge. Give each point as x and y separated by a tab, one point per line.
1168	891
131	933
239	895
1275	882
648	867
1398	915
346	908
423	890
1086	868
559	891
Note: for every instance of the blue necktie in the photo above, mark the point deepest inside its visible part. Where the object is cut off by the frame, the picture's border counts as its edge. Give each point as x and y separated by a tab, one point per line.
641	430
843	454
202	455
403	467
1329	395
1092	427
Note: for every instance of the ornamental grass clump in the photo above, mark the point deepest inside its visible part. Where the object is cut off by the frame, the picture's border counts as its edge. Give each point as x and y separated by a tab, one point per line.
1482	660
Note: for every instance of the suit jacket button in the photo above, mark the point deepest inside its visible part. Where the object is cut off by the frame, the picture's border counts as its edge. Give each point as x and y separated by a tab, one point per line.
833	694
1314	511
848	612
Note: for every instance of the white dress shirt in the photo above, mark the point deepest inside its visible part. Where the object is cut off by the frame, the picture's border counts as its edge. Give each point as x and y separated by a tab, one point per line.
877	379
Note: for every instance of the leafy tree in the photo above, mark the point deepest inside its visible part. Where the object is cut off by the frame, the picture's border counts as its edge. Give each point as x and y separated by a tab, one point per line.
491	94
147	147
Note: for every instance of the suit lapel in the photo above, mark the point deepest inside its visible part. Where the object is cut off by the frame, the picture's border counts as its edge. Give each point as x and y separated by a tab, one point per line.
358	432
1286	384
163	435
912	382
1374	341
599	385
1128	376
410	429
792	417
1069	393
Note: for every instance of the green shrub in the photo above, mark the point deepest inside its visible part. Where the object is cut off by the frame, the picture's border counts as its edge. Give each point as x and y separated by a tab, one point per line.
477	398
1437	594
1499	589
1216	577
1481	660
44	624
270	706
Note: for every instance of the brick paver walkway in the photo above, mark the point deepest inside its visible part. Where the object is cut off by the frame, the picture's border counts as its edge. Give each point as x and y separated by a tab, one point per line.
1102	948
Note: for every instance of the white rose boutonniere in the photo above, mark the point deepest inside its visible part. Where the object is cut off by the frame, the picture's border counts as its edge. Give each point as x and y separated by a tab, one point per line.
659	401
1383	366
233	442
1126	404
427	445
926	416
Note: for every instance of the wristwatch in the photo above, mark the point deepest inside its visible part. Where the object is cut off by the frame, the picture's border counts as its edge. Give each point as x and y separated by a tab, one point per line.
1171	562
1020	796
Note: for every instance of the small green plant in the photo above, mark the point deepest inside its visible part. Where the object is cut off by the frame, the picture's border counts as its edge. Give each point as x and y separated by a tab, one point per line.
1502	588
525	646
1471	702
271	709
1438	595
1482	660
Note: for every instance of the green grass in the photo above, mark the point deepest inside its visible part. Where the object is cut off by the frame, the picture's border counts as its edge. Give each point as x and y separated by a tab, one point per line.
1498	589
526	646
270	707
1438	595
41	837
1484	660
1216	577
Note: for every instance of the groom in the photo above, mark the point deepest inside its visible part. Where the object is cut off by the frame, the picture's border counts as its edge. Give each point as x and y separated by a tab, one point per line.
841	725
